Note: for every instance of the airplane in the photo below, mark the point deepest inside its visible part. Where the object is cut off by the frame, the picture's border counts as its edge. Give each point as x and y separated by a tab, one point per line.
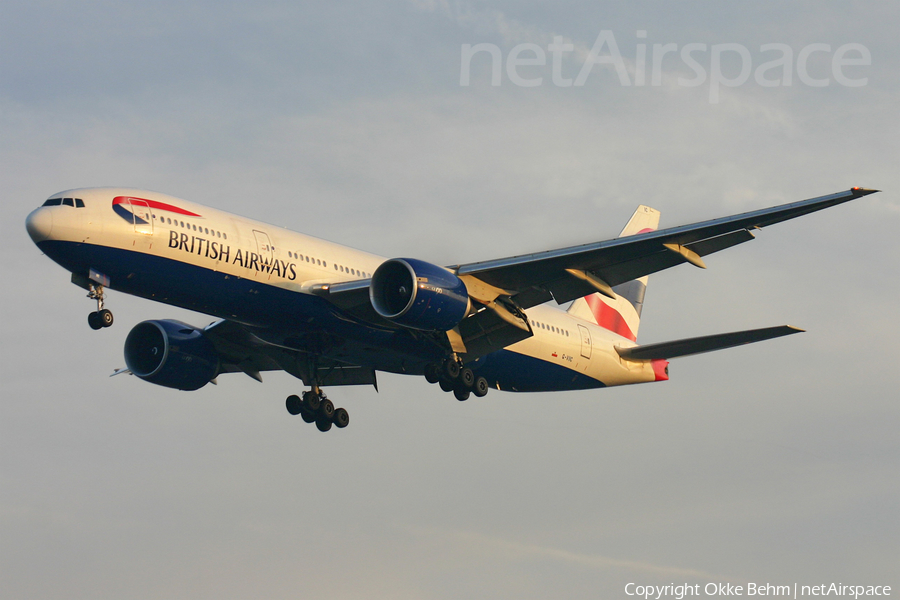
332	315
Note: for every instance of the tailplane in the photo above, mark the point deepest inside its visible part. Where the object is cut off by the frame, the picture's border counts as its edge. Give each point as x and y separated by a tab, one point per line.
621	315
707	343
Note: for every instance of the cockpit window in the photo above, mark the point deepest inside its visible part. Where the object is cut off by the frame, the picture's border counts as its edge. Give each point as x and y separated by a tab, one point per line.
74	202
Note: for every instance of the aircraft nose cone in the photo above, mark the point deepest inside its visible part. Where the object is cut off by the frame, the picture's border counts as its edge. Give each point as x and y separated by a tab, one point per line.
39	224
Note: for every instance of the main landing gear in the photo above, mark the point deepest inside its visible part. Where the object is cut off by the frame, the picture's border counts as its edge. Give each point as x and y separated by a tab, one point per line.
453	376
315	407
102	317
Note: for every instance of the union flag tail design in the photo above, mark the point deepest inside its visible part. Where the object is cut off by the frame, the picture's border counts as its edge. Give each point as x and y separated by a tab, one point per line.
622	315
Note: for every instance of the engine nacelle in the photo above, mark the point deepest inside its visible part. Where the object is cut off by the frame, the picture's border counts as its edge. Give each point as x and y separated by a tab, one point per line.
172	354
418	295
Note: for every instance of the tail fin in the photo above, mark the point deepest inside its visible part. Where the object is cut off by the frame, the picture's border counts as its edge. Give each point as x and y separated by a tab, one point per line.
622	315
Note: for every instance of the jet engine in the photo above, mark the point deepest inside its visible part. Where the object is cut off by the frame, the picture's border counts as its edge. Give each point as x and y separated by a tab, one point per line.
171	354
418	295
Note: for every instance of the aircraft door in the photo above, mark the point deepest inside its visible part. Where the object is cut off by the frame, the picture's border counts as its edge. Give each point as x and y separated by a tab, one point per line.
585	341
143	218
265	249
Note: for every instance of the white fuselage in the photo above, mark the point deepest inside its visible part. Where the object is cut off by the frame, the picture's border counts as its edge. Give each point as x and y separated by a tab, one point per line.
150	224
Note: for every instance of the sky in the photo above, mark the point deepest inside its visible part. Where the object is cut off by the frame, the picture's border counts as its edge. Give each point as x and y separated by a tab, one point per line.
354	121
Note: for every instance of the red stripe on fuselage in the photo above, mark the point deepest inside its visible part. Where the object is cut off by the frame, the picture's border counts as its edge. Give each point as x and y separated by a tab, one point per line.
156	205
608	317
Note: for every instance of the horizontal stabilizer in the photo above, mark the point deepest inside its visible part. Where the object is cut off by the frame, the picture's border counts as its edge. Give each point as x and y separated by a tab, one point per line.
707	343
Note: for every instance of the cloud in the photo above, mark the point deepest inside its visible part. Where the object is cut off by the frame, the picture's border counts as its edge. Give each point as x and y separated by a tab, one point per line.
471	544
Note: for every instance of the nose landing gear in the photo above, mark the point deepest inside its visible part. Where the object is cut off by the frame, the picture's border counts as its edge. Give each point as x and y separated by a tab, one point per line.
102	317
315	407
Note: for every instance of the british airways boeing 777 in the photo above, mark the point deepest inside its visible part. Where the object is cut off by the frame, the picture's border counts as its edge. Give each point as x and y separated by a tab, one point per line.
331	315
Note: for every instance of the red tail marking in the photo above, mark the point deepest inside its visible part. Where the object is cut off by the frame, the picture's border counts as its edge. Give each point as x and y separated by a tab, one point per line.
608	317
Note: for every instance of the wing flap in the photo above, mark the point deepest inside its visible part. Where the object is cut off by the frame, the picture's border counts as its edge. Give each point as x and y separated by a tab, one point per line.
493	328
699	345
710	245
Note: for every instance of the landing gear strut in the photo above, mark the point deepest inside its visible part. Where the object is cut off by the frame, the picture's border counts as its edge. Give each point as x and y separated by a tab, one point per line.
102	317
315	407
453	376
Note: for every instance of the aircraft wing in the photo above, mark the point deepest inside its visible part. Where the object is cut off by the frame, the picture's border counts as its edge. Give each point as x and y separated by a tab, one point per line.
243	350
576	271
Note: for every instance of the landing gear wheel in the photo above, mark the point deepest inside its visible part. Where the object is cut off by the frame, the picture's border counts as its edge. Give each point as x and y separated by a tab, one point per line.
432	373
311	401
101	317
315	407
341	418
461	393
480	388
106	317
95	321
446	385
466	377
294	404
451	369
326	409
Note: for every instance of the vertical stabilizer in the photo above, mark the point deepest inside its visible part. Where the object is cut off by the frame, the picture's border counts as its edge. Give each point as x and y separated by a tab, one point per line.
622	315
